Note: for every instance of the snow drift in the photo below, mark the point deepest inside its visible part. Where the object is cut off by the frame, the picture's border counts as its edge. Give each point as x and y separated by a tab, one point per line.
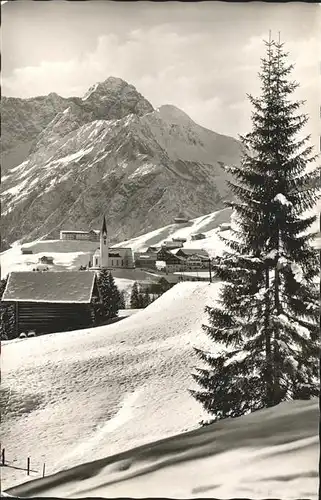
272	453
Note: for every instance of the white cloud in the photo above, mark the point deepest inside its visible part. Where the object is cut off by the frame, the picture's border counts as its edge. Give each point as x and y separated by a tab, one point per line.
188	69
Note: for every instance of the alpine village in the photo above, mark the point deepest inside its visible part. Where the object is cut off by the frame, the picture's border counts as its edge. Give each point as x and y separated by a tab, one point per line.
155	270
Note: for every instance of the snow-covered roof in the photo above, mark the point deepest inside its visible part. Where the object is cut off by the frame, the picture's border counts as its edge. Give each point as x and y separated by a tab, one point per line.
202	256
143	256
54	287
119	248
74	232
194	251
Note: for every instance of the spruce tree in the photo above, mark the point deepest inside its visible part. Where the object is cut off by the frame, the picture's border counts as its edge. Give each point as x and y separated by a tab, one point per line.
122	301
141	299
145	298
114	297
134	297
265	325
7	315
104	289
109	294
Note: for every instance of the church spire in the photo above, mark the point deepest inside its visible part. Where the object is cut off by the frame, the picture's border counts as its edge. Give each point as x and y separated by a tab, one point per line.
104	247
104	227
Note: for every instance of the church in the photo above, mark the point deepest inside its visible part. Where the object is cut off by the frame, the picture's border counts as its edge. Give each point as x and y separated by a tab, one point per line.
106	257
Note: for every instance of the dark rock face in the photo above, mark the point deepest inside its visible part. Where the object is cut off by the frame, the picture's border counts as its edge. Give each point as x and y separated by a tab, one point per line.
109	152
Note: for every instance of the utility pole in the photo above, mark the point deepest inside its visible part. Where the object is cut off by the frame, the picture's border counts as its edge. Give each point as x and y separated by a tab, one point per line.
210	269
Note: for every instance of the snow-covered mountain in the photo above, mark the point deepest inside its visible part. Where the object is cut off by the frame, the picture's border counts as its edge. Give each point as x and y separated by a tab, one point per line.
107	152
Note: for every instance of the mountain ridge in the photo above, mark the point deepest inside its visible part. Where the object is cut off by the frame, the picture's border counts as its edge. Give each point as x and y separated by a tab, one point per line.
111	152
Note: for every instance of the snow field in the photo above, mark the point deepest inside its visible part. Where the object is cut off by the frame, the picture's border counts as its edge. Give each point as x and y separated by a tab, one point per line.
65	389
272	453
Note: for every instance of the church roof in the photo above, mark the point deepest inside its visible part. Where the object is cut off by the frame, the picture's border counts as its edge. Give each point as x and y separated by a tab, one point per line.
55	287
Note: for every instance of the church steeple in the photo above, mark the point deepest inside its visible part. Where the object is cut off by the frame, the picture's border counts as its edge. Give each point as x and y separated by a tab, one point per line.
104	227
104	250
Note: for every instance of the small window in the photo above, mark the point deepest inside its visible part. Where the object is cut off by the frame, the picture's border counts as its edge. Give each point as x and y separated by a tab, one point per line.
112	262
96	261
122	263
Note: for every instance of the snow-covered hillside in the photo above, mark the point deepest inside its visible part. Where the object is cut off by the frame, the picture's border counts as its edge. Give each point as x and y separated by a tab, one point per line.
209	225
273	453
206	224
78	396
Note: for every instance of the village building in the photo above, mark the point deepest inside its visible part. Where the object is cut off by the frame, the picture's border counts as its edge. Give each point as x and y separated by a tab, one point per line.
46	260
106	257
181	220
52	302
153	249
173	244
145	260
173	262
198	236
195	258
179	240
26	251
225	226
186	252
92	235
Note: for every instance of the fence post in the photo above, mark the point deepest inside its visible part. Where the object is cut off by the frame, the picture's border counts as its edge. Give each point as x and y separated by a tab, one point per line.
43	470
3	456
28	466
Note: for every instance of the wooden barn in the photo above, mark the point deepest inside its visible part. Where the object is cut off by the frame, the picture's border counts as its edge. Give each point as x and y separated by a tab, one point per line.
52	301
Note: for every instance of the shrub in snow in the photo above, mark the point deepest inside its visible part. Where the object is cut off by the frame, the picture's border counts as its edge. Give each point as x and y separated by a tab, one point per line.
31	334
266	325
22	335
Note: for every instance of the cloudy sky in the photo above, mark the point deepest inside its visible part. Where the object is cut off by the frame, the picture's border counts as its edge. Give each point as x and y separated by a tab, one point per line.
202	57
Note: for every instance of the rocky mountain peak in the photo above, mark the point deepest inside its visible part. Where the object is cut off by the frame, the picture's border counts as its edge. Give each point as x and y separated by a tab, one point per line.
172	114
114	98
71	159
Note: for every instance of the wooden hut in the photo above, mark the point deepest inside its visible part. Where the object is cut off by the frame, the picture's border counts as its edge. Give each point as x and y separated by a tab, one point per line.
52	301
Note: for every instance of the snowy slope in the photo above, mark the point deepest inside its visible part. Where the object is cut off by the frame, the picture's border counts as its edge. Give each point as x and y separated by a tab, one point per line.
273	453
13	260
206	224
78	396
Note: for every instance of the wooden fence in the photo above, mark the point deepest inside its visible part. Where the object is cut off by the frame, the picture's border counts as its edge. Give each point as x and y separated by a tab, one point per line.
5	463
